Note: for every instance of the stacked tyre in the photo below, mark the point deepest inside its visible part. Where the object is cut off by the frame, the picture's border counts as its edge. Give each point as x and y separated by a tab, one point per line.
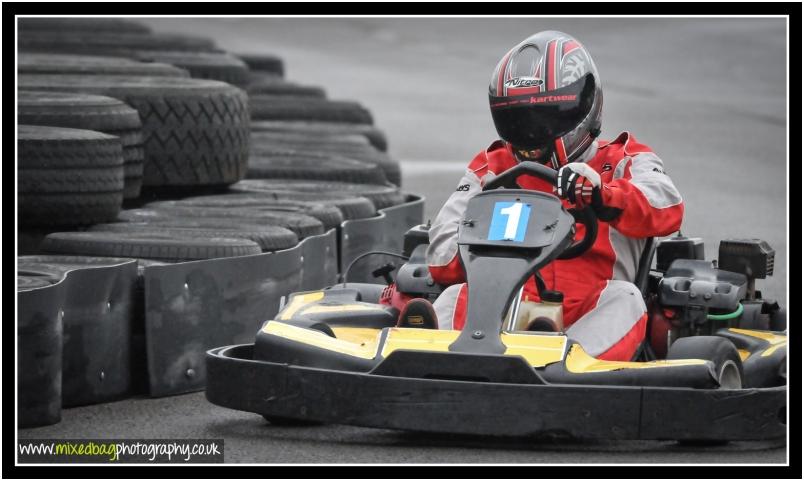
90	112
119	82
195	132
182	112
68	176
297	125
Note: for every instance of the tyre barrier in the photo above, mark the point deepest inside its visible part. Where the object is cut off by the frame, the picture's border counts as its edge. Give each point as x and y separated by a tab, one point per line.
384	232
74	344
270	85
219	66
178	277
91	112
279	163
351	146
85	338
53	63
262	63
109	43
328	214
381	195
279	107
165	212
351	206
314	129
80	25
196	132
68	176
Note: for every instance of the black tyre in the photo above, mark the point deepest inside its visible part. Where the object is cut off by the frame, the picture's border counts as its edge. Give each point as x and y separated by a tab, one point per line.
196	132
351	206
159	218
720	351
133	172
154	246
65	64
778	320
108	43
354	147
25	283
277	107
57	266
269	238
68	176
28	239
302	225
270	85
752	317
205	65
45	272
80	25
81	180
329	215
382	196
312	129
288	164
54	268
263	63
312	140
90	112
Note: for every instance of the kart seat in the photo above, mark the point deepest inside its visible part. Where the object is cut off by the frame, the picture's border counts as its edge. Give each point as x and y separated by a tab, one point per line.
643	269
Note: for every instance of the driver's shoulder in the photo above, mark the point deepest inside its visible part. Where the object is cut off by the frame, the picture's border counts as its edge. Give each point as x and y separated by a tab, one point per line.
624	149
625	144
493	159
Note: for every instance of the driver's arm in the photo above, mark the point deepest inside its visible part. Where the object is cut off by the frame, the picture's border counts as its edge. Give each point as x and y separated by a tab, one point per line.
643	202
442	253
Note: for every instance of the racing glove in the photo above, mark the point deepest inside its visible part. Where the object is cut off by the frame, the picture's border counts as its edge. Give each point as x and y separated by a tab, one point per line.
581	185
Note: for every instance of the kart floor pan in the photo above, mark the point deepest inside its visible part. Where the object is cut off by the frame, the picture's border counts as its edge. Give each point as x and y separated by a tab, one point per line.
236	381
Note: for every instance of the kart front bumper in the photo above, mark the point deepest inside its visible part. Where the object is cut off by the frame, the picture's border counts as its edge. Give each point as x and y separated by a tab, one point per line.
236	381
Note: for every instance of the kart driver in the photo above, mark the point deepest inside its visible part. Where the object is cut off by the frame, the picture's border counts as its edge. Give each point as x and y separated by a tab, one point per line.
546	102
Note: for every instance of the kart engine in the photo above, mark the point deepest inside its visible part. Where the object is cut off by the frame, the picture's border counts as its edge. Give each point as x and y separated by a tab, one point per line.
698	297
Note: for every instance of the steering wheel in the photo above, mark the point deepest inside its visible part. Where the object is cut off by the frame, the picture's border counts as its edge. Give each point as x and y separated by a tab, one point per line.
585	216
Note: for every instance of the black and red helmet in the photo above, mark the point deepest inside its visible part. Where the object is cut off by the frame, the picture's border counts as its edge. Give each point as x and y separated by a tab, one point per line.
546	98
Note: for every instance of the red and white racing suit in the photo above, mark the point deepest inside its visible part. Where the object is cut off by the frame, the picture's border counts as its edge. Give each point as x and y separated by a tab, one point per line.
603	309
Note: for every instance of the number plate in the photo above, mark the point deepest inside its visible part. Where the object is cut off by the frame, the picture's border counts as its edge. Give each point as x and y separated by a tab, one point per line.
509	222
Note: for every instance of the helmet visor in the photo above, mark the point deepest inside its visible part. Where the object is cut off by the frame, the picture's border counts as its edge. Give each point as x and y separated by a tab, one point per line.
534	120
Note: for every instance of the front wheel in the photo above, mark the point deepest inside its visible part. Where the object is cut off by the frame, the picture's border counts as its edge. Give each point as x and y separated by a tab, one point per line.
720	351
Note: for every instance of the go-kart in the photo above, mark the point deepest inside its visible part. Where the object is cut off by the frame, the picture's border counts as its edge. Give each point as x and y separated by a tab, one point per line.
711	369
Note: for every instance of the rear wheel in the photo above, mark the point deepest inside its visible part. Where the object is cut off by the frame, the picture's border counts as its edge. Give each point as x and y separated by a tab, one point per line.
728	368
778	320
721	352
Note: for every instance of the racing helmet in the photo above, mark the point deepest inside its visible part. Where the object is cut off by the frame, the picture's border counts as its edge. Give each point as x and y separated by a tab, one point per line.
546	99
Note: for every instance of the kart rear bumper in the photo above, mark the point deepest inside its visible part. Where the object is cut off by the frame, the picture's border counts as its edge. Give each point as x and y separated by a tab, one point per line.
236	381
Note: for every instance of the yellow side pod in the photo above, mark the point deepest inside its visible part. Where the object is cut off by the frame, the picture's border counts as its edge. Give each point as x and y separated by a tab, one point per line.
537	350
578	361
299	301
321	340
776	341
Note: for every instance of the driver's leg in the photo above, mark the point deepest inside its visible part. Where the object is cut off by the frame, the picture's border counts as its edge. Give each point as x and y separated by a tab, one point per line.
614	328
450	307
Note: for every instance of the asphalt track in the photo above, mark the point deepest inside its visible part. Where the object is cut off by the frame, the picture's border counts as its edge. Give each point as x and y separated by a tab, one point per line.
709	95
